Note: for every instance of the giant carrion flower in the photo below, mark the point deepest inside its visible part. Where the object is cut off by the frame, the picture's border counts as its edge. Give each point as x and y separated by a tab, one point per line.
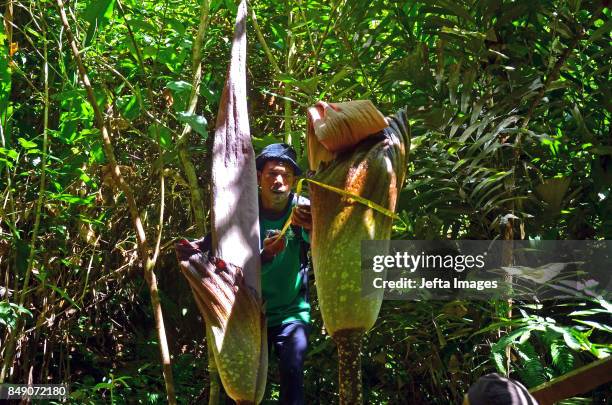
234	313
372	168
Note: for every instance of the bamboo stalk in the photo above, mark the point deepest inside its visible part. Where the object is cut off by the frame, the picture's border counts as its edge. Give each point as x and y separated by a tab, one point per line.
306	21
262	42
214	389
288	109
287	113
157	136
286	87
149	88
197	201
143	248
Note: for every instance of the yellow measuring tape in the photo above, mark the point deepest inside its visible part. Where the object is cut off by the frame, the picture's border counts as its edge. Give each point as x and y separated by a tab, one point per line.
345	193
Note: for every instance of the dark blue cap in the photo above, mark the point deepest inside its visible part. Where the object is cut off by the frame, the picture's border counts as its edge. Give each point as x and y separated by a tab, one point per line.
495	389
278	151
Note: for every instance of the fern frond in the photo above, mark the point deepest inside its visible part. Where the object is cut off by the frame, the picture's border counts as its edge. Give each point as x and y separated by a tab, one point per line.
532	372
562	357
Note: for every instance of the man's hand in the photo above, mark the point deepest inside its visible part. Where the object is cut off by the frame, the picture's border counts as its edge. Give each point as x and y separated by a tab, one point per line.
272	246
301	217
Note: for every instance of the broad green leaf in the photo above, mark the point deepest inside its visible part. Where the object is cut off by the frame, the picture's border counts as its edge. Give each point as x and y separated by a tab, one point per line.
196	122
11	153
26	144
97	14
10	312
588	312
596	325
335	79
165	137
601	31
129	107
70	94
179	86
172	57
571	341
73	199
260	143
176	25
498	360
231	5
102	386
181	91
142	25
148	52
97	153
98	10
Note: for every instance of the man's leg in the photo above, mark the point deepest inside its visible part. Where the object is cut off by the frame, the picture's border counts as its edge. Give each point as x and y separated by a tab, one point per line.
291	342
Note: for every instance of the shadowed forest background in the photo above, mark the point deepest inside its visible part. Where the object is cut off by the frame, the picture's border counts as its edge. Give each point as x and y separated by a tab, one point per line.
510	107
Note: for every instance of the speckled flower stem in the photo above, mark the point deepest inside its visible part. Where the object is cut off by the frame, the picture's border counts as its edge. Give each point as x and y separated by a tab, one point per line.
349	365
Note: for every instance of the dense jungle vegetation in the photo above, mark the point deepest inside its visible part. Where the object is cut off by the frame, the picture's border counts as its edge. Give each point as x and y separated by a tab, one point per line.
510	106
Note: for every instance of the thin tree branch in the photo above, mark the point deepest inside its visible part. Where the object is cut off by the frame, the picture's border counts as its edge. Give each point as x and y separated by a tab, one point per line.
263	43
197	201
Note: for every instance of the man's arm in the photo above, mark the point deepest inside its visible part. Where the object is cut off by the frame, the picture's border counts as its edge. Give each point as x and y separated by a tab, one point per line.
271	247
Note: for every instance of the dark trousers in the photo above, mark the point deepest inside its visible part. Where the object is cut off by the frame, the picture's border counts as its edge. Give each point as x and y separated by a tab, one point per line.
290	342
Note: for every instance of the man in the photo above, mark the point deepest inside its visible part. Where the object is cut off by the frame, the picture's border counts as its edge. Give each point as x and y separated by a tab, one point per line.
284	265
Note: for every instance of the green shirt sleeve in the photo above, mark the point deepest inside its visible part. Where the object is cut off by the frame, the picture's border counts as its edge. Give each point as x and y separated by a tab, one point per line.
306	236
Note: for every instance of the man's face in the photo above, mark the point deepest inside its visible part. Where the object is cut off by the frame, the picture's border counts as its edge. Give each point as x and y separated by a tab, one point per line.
276	180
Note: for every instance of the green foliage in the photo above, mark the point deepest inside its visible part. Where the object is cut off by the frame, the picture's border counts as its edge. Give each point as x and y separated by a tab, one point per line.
495	141
196	122
5	74
97	14
10	312
541	348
